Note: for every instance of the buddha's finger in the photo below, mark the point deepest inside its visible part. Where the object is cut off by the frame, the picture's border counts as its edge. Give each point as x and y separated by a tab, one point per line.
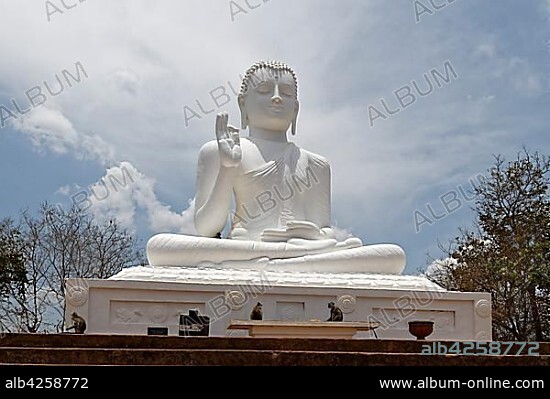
224	146
294	224
219	133
223	129
237	153
236	137
224	125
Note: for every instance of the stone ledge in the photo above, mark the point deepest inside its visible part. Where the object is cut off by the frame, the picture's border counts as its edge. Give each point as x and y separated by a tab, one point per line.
205	357
146	350
174	342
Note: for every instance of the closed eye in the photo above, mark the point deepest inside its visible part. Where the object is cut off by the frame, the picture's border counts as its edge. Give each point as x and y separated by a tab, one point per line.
264	88
287	90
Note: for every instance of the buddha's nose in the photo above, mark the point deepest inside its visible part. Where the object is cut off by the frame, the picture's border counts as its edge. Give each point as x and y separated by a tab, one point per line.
276	99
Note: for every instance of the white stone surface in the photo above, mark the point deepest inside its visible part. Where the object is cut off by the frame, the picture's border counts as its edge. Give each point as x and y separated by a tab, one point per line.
282	194
141	297
207	275
282	249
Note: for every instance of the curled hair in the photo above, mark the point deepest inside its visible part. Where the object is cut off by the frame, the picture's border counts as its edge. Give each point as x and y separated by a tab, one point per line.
275	65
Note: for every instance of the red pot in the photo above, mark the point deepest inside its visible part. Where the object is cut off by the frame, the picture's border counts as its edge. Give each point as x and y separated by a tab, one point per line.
421	329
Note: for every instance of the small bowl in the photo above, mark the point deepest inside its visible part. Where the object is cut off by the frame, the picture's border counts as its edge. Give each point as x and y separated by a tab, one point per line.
421	329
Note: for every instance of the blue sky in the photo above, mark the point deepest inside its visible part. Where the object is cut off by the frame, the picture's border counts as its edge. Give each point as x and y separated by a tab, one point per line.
145	61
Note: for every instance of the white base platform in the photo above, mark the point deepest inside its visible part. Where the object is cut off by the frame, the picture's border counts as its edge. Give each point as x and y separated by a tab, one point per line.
143	297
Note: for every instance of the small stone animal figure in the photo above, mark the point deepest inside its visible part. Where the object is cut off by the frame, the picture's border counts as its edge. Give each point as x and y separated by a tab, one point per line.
257	312
335	313
79	324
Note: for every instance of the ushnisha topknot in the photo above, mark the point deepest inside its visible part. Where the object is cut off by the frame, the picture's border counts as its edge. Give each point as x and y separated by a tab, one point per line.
269	64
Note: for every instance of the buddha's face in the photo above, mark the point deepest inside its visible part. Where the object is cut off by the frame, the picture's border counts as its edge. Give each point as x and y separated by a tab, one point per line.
271	101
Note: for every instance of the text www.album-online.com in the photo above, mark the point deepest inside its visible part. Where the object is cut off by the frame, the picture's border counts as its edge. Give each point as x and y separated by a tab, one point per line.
483	383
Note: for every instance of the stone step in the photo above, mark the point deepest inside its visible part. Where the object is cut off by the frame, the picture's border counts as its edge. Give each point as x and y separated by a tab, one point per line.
150	350
175	342
221	343
227	357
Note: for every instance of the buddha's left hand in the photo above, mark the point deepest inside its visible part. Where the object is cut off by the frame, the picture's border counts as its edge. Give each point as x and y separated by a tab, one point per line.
293	229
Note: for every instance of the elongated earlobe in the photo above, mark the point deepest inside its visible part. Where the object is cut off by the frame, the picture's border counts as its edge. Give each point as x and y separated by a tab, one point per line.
244	114
295	119
244	120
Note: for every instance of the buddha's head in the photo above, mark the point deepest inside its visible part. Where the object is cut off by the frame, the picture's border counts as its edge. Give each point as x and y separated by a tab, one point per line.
269	97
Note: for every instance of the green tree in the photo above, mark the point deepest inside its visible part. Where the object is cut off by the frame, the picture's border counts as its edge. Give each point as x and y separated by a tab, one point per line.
12	262
508	253
12	265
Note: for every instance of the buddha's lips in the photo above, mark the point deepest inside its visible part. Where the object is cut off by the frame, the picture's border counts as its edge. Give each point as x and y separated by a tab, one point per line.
276	109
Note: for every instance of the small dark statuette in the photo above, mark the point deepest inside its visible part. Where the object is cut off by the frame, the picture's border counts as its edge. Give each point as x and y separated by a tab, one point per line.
79	324
335	313
194	324
219	236
257	312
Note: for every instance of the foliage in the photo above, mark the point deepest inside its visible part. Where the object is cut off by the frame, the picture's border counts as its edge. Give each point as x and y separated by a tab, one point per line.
508	253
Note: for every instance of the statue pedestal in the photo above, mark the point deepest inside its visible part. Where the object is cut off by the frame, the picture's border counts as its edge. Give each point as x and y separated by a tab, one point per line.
142	297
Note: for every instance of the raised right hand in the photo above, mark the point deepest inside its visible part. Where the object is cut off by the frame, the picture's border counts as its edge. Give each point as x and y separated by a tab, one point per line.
229	142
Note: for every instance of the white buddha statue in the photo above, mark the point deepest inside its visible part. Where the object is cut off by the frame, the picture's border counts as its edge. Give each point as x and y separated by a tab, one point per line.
281	219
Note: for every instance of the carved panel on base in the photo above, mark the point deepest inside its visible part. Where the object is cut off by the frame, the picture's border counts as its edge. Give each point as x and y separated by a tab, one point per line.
147	313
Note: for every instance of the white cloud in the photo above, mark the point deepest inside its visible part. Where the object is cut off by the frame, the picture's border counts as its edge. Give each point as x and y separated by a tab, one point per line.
124	190
440	268
64	190
126	80
341	234
49	130
524	80
486	49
